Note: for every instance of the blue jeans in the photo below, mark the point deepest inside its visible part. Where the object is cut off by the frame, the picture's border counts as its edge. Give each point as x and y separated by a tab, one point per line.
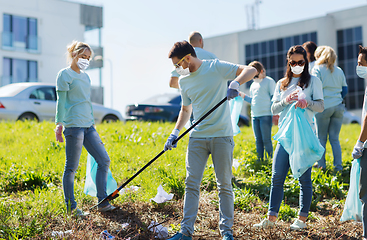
75	138
329	122
199	149
279	173
363	190
262	131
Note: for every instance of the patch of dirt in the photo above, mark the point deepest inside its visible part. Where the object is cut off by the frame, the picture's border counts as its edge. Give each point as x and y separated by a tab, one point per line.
324	223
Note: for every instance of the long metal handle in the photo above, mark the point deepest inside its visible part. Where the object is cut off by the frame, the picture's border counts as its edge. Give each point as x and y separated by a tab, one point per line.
115	193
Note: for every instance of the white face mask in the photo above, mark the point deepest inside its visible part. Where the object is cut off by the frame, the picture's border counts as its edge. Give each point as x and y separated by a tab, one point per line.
361	71
183	71
83	63
297	69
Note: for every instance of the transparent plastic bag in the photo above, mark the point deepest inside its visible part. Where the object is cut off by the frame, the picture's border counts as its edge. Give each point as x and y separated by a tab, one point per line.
353	205
235	106
298	139
90	179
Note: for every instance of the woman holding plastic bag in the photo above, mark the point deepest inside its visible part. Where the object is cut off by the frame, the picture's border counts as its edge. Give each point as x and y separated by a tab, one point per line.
285	94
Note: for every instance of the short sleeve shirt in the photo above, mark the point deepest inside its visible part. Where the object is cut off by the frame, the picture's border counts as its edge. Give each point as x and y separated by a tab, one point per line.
204	88
78	107
261	94
332	84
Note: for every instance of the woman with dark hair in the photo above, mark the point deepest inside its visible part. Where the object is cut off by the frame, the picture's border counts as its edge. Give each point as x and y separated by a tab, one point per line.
310	48
287	92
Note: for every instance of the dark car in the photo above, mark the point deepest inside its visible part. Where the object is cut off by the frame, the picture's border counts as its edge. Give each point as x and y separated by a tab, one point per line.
163	107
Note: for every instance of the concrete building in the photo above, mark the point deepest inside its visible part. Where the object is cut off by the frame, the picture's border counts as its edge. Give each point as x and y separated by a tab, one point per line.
344	31
34	36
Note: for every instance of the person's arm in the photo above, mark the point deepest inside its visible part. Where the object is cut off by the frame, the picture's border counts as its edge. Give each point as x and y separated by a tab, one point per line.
60	112
173	82
344	91
278	106
60	107
315	105
359	147
183	117
245	74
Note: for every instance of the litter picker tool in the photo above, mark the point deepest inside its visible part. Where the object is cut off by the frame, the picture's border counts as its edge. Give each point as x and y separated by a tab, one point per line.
115	194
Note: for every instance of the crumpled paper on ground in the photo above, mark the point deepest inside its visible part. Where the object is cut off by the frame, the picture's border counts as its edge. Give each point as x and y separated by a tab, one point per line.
162	196
159	229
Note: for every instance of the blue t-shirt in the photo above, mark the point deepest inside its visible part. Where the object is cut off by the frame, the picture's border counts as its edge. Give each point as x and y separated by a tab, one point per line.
201	54
74	108
261	93
332	83
204	88
312	92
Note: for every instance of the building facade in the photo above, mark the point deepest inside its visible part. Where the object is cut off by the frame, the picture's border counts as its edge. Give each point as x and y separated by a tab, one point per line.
34	36
344	31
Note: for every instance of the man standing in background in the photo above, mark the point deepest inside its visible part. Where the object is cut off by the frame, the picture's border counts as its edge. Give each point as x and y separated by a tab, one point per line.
196	40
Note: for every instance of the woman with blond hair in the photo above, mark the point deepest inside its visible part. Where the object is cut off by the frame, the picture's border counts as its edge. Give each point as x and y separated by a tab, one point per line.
335	88
74	112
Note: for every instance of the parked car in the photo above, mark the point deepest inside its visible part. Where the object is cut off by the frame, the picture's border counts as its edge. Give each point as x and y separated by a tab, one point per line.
349	117
37	101
162	107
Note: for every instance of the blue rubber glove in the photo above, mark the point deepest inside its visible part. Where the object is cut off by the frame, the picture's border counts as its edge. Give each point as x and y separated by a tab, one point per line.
168	145
358	150
232	91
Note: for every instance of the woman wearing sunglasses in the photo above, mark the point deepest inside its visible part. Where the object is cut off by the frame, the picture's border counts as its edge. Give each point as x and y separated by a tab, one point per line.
285	94
329	122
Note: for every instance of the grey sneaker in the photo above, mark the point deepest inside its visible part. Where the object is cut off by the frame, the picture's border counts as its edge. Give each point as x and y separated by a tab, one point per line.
79	213
107	208
266	223
298	225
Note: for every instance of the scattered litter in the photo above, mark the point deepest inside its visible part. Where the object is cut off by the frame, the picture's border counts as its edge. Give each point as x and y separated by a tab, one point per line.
61	233
236	163
159	229
124	225
162	196
106	235
130	189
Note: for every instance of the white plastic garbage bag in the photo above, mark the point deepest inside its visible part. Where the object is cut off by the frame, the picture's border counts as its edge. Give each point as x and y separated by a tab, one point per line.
353	205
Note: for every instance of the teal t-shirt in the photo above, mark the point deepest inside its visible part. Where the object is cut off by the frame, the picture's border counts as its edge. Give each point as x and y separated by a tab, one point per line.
312	92
204	88
332	83
201	54
261	93
74	108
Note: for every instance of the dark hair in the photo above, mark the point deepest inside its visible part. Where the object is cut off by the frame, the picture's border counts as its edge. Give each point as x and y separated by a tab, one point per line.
256	64
311	48
181	49
363	50
305	76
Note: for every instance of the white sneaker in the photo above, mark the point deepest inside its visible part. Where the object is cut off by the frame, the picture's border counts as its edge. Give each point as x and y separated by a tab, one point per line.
298	224
266	223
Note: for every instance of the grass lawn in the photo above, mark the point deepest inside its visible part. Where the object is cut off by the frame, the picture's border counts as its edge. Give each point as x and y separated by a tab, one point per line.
31	196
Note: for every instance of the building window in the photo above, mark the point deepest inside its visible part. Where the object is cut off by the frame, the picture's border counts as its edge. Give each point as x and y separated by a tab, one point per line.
19	33
272	53
348	41
18	70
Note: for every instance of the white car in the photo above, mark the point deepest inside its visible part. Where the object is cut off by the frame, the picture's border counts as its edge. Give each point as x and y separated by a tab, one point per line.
37	101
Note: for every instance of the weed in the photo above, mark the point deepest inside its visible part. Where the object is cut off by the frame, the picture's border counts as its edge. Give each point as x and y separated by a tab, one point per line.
286	213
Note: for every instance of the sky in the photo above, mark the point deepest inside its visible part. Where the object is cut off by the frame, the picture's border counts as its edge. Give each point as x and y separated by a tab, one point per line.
138	34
